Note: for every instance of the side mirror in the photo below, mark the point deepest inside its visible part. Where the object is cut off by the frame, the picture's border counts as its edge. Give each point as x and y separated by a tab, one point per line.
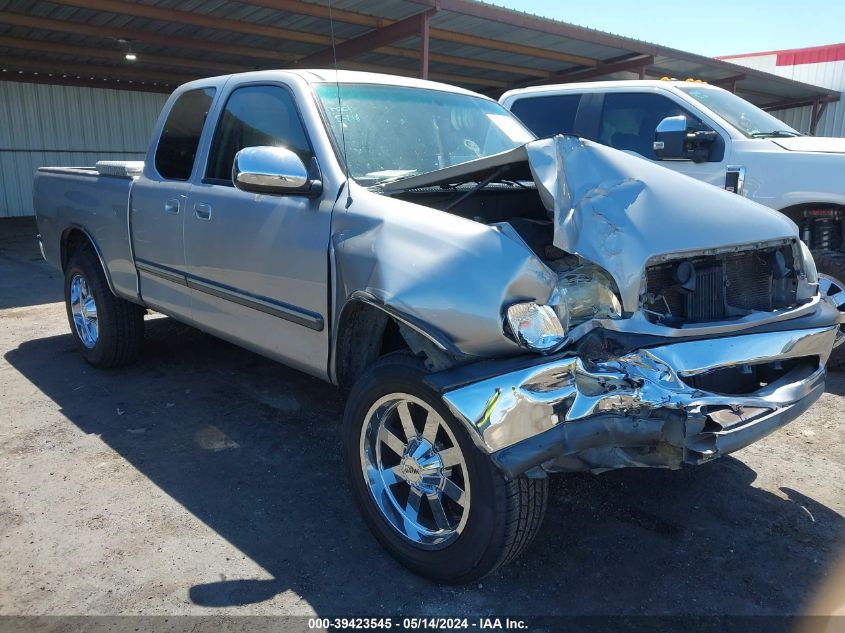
274	170
674	137
670	137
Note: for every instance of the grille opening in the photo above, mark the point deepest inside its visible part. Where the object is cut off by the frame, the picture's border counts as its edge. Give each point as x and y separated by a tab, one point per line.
720	287
746	379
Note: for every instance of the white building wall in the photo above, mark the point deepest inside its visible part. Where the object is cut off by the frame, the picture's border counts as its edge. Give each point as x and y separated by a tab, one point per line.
44	125
825	74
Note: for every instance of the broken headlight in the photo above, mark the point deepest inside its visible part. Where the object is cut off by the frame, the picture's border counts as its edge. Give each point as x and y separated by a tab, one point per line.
537	327
585	293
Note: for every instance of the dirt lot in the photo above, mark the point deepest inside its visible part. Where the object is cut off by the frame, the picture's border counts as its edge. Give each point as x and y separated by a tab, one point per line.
206	479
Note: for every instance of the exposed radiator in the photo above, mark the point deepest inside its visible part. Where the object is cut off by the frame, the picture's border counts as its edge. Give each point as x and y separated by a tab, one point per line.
725	286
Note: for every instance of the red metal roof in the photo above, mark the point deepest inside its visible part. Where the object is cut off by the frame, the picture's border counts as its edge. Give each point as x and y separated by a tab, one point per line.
796	56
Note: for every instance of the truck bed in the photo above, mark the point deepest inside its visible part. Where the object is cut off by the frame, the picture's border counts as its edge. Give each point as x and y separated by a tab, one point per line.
69	198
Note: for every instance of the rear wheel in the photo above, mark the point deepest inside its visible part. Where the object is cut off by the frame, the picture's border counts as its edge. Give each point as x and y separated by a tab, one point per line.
108	330
831	267
429	495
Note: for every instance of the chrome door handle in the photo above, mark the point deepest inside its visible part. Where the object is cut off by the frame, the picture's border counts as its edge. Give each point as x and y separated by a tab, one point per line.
202	211
172	206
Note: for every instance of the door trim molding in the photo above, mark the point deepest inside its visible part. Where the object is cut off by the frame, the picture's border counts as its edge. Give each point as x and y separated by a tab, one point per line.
168	274
279	309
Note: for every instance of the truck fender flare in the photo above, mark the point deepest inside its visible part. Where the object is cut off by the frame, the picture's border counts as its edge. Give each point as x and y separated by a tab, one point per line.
438	339
65	259
338	367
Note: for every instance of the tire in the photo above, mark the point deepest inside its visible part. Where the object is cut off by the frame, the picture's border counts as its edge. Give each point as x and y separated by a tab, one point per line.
498	518
831	267
111	334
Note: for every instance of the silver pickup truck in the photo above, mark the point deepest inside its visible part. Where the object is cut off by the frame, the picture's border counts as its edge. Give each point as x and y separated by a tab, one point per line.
499	307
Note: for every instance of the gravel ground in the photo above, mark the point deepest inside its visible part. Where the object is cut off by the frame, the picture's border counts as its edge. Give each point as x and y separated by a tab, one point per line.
208	480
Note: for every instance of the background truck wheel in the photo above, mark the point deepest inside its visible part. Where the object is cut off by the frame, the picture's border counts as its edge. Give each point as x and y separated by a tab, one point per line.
429	495
831	267
108	331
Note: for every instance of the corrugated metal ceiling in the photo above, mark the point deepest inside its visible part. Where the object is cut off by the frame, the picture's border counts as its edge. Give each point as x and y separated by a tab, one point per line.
467	37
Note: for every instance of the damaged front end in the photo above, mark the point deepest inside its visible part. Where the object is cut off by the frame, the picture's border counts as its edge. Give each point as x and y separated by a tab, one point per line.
685	323
684	402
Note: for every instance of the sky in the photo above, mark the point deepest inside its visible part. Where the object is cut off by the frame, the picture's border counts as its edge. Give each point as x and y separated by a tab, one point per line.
706	27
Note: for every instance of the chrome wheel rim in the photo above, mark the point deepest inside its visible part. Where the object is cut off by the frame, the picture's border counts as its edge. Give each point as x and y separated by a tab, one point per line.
84	310
834	290
415	471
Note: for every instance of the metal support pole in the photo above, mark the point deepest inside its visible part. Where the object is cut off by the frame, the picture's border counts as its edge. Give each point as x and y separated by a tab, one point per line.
818	111
424	41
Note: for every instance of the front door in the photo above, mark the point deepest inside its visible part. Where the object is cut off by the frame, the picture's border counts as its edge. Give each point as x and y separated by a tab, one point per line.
628	121
257	263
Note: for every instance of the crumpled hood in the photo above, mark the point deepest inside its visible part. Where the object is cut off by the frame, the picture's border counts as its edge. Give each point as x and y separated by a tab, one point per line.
618	210
811	144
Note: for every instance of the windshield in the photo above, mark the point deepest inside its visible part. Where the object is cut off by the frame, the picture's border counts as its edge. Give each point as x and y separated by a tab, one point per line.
391	132
744	116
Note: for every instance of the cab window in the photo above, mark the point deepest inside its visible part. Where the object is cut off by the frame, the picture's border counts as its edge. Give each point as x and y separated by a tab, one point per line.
548	115
628	120
255	116
177	146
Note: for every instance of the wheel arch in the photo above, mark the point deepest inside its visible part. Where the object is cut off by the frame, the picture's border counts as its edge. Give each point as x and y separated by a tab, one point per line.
808	227
367	330
75	238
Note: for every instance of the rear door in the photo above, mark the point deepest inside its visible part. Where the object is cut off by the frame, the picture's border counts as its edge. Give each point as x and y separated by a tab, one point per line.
158	205
257	263
547	115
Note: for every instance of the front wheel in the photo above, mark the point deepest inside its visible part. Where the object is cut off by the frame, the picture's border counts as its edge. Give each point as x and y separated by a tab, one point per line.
831	267
428	494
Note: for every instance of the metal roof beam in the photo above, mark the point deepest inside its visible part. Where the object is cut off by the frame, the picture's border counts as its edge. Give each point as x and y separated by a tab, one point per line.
46	46
322	11
637	63
787	104
91	74
94	71
294	6
197	19
306	8
401	30
138	35
630	64
520	19
727	81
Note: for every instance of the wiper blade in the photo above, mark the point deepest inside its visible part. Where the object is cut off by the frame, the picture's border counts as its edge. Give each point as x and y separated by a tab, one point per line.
775	134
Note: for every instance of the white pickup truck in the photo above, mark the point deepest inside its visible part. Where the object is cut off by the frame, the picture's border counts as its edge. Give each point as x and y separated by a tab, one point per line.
715	136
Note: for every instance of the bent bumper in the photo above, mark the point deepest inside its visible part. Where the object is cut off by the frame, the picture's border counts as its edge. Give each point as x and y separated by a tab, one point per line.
646	408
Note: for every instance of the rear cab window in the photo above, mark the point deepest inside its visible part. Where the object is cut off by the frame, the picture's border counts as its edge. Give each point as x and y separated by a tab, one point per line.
549	114
177	145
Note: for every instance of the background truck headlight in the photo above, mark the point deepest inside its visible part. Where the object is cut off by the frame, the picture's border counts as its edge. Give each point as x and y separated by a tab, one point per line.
535	326
808	264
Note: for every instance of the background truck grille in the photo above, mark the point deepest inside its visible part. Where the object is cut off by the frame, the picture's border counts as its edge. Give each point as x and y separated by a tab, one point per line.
725	286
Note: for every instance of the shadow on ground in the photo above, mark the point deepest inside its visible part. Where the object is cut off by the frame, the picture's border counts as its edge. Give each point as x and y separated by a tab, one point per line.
252	449
27	280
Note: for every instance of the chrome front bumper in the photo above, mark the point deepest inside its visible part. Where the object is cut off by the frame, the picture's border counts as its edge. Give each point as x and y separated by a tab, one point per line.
640	409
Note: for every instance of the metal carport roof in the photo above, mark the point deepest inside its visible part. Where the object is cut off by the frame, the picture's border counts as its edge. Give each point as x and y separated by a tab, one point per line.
464	42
